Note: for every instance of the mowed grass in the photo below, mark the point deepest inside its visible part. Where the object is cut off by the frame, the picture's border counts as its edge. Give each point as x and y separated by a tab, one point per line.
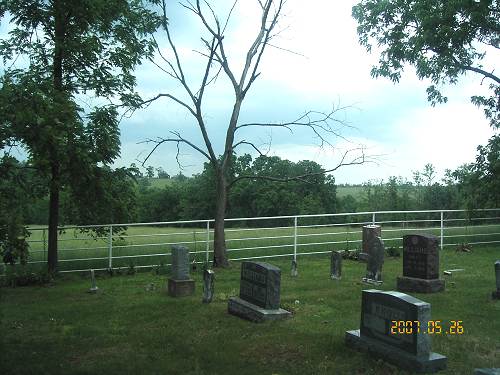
131	326
150	245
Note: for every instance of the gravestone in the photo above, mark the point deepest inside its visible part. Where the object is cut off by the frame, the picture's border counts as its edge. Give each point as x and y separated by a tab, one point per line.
208	285
259	298
180	284
294	271
93	288
375	261
496	293
369	233
336	265
380	313
420	265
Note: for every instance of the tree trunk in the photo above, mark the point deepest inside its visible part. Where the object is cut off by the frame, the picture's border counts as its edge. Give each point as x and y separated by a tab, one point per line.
53	217
220	253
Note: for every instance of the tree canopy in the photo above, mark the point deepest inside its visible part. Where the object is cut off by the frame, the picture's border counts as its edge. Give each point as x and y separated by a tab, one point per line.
441	39
57	53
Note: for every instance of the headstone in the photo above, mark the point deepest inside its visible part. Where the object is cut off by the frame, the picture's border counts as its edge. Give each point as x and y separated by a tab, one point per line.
294	271
369	233
336	265
259	298
496	293
375	261
208	285
380	333
93	288
487	371
420	265
180	284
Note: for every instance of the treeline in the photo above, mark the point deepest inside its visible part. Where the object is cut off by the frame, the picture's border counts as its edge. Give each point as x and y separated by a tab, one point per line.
128	195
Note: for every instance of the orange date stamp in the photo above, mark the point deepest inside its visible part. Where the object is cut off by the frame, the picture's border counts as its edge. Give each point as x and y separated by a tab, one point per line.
431	327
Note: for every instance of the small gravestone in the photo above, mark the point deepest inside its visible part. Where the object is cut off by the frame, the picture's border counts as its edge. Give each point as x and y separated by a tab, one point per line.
381	314
93	288
294	271
336	265
496	293
208	285
487	371
259	298
375	261
420	265
180	284
369	233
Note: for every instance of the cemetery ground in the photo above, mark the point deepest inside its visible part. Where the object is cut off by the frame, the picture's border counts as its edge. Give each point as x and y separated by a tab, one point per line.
131	326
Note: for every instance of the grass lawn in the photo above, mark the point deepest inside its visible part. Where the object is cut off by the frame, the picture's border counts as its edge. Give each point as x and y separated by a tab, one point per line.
132	327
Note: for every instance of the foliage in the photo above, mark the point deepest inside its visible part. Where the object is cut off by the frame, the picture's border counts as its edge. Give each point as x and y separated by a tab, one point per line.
441	39
479	182
24	275
72	48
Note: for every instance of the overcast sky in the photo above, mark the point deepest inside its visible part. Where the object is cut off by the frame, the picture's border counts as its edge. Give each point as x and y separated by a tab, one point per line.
330	68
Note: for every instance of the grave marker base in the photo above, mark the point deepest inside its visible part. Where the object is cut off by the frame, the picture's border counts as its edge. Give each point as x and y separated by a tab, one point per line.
180	288
413	284
495	294
432	363
371	281
93	290
246	310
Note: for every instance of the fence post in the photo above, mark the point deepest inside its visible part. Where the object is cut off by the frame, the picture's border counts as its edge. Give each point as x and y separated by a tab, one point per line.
295	239
442	229
208	241
110	248
373	218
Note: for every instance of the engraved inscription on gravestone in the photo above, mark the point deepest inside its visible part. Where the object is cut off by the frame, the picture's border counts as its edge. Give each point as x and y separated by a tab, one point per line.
412	351
259	297
420	264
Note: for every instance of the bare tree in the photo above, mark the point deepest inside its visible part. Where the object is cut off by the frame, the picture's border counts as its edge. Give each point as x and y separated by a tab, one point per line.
322	125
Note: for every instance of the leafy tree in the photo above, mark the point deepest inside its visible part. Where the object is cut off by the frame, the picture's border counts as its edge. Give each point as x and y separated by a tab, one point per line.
161	173
442	39
150	171
71	47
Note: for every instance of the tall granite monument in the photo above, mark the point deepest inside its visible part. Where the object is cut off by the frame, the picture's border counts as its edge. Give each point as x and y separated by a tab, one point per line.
382	314
420	265
369	233
376	254
259	298
180	284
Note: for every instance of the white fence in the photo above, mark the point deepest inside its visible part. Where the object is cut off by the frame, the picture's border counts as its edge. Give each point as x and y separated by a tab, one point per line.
146	245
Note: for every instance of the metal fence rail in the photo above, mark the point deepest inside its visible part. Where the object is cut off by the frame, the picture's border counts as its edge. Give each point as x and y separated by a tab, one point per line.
146	245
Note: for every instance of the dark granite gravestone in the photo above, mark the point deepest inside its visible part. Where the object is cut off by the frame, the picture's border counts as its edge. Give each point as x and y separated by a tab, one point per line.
259	298
208	285
336	265
375	261
420	265
369	233
180	284
487	371
380	313
496	293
